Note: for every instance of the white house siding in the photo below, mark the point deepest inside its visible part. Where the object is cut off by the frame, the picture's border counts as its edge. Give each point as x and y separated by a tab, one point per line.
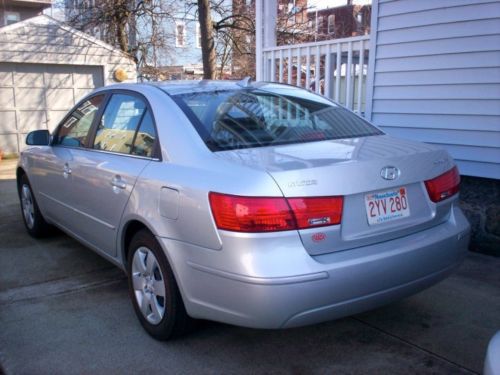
45	68
435	69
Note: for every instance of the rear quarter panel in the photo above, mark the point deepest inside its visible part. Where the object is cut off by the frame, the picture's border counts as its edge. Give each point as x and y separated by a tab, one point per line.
192	221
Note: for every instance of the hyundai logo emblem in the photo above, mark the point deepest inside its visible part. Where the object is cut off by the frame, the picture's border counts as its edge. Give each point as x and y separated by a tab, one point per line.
390	173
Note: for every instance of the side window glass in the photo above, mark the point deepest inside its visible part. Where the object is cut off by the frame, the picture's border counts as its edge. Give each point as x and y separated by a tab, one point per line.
145	138
118	124
75	130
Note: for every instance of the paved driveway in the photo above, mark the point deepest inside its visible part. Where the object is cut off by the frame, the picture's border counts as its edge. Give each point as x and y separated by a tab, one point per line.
65	310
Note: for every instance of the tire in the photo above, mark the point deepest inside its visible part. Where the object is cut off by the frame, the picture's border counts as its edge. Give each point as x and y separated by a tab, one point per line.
33	219
153	290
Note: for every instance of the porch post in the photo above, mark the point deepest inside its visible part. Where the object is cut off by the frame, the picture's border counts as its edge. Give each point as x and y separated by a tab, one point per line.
265	34
270	15
258	40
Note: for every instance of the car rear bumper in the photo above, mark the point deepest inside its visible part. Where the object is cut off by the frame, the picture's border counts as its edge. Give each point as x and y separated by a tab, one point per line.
272	282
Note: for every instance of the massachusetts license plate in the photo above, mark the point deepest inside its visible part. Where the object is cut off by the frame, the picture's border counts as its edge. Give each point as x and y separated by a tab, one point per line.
385	206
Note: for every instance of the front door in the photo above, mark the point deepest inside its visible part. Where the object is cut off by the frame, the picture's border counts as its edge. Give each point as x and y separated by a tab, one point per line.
54	170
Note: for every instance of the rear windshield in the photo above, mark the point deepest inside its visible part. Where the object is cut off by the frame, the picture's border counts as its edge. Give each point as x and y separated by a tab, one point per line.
243	118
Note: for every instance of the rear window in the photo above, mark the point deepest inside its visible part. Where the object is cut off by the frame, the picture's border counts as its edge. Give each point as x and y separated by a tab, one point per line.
243	118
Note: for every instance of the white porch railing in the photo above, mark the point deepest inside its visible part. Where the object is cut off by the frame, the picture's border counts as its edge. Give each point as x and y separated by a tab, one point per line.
335	68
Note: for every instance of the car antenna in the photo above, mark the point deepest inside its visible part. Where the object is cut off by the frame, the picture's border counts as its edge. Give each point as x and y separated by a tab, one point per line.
245	82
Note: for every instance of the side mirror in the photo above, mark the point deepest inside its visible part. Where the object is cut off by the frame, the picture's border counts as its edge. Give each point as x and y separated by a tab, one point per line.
38	138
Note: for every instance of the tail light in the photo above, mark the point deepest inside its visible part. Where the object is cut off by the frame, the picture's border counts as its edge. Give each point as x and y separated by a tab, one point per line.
251	214
316	212
269	214
443	186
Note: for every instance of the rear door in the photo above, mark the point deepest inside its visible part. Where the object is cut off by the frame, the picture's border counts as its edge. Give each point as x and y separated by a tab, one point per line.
105	174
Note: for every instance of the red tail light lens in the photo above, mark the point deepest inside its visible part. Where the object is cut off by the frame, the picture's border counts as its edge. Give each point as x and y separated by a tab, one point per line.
251	214
443	186
317	211
259	214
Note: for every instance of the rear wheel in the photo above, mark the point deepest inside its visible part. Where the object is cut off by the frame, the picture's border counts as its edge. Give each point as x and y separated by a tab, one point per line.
153	289
33	220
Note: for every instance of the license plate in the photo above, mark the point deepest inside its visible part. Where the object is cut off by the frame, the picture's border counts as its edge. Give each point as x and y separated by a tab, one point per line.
385	206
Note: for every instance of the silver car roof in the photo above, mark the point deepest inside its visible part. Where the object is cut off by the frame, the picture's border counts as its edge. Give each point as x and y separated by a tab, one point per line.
190	86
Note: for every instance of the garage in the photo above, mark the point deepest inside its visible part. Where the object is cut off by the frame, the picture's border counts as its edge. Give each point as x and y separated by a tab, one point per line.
41	81
36	96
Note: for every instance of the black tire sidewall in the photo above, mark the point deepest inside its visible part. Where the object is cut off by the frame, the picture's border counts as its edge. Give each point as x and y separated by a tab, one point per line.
174	308
40	226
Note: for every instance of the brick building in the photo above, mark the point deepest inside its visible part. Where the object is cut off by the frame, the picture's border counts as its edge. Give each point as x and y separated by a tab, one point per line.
339	22
296	23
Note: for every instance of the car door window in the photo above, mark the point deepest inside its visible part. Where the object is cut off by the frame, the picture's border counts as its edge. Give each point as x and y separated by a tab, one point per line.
75	129
118	124
146	137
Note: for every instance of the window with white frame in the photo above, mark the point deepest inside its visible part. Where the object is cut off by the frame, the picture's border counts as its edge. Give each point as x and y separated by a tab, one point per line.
319	25
331	24
198	36
11	17
180	34
359	18
311	25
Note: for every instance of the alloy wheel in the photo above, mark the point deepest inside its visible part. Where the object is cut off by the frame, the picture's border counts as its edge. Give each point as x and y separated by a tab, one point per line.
28	206
149	285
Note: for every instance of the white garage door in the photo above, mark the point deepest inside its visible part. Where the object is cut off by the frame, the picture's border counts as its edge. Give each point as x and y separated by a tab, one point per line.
36	96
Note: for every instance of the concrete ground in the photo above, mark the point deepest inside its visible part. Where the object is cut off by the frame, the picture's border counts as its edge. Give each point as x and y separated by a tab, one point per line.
65	310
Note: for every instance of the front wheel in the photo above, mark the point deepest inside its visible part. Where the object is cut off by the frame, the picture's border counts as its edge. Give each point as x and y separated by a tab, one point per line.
33	220
153	289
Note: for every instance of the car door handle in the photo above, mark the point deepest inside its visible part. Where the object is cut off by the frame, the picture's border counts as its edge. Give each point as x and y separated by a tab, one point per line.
118	182
66	170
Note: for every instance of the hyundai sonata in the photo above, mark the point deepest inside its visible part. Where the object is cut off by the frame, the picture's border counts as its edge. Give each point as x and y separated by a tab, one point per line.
255	204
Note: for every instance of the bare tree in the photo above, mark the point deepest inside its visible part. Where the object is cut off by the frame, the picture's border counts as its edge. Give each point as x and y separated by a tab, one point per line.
235	34
136	27
142	29
292	26
226	32
207	39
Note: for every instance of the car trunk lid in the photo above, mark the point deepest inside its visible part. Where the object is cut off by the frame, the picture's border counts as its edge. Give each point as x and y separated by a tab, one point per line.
353	168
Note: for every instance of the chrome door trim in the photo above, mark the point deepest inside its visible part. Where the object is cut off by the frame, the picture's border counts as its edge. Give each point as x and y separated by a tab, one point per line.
122	154
109	152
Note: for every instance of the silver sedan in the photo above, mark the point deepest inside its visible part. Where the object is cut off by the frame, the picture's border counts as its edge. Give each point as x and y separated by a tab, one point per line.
254	204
